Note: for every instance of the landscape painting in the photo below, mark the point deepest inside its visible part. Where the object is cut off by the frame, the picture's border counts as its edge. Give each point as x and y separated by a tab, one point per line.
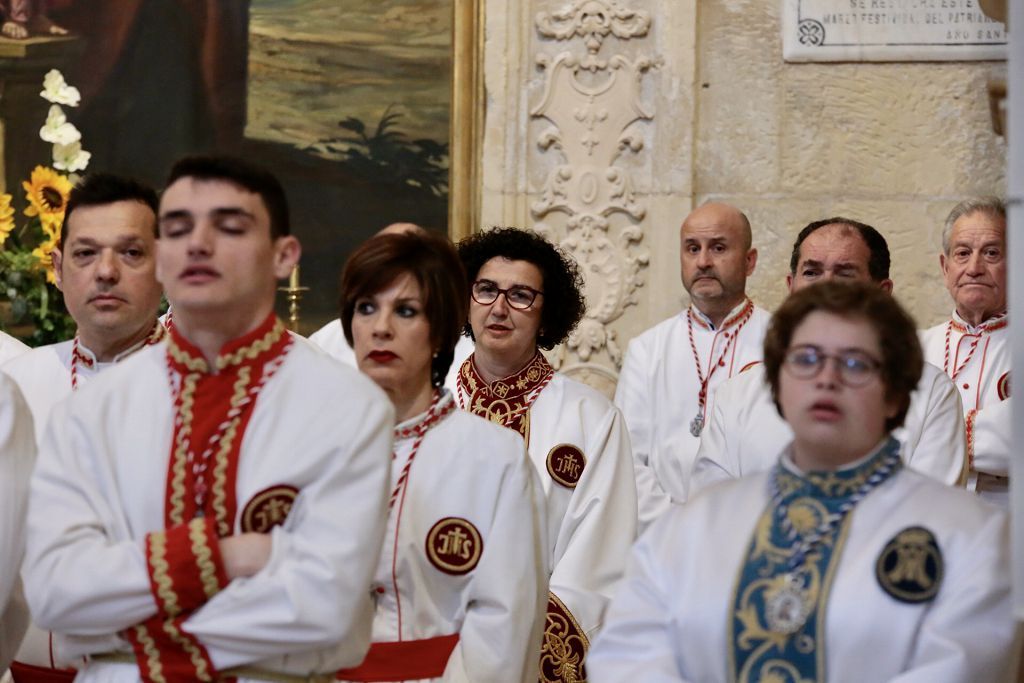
347	101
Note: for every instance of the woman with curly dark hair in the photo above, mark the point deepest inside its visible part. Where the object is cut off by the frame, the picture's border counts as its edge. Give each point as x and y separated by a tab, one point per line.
526	295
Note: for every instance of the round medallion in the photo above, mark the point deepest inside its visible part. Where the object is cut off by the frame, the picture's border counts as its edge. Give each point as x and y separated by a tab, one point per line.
454	546
565	464
1003	386
787	606
268	508
910	567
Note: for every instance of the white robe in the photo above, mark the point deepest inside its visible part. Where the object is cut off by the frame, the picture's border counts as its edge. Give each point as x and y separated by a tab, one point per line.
746	434
591	527
669	621
10	347
658	392
17	456
99	488
331	338
44	376
470	469
983	384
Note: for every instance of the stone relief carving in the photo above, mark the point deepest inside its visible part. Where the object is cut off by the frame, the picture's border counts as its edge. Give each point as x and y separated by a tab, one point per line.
593	105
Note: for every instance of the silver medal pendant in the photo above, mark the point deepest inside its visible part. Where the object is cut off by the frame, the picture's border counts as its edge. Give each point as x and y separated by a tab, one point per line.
697	424
787	610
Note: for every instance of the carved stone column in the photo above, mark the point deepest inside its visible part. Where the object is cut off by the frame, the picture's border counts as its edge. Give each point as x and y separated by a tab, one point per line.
589	140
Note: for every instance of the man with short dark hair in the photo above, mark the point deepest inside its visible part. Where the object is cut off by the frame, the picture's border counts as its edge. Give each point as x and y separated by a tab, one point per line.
973	346
105	265
213	507
670	373
746	433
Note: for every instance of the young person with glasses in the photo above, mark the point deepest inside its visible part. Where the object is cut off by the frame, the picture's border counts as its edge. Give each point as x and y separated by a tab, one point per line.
839	563
525	295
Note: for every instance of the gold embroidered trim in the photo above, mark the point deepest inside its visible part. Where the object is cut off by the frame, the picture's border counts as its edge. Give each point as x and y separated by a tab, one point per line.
194	654
177	502
564	646
156	669
219	493
254	349
204	556
161	573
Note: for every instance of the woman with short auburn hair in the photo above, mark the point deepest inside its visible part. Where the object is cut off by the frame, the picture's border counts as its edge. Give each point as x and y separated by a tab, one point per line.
461	569
838	564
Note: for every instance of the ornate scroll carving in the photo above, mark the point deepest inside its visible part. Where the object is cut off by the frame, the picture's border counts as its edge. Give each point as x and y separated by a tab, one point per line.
594	106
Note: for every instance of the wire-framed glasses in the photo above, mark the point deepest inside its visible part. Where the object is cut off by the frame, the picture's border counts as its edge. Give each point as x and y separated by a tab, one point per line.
856	368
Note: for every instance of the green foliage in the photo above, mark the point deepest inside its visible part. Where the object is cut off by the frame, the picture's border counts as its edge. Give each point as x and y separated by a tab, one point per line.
385	156
37	312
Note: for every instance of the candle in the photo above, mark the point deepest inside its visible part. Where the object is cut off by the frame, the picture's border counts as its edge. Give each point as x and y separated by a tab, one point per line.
293	281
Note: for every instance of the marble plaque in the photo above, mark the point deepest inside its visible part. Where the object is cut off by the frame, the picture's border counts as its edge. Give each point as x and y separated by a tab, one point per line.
889	30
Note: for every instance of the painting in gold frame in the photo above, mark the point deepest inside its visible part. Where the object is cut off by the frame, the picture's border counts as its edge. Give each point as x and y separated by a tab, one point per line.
161	79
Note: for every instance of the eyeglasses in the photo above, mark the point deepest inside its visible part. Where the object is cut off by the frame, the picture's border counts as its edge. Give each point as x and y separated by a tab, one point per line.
856	368
520	297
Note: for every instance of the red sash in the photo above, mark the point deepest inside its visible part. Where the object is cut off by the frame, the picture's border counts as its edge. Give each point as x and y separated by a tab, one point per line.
29	673
407	660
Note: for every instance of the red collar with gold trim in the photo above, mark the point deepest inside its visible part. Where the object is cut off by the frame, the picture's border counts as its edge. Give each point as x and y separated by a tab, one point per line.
212	411
505	401
994	323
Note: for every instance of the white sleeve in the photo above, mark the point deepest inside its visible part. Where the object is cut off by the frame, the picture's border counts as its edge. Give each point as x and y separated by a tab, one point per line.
638	642
70	556
17	455
598	528
314	592
989	438
500	636
632	398
716	456
968	634
934	441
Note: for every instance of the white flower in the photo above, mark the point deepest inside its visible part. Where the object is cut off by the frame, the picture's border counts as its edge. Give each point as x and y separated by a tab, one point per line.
70	157
56	90
57	129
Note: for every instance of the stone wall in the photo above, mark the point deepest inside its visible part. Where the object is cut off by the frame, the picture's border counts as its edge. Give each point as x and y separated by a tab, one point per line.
715	114
895	145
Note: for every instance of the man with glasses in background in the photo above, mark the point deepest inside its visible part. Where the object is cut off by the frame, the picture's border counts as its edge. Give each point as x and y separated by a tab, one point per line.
746	433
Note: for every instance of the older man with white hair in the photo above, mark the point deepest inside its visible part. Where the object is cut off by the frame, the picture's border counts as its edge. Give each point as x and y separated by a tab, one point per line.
973	345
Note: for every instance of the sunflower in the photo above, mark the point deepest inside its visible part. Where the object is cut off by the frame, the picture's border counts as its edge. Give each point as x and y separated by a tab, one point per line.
6	217
47	194
44	252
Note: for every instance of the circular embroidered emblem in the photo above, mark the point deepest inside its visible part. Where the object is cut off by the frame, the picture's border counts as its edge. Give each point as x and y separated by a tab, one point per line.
565	464
1003	386
749	365
268	508
454	546
910	567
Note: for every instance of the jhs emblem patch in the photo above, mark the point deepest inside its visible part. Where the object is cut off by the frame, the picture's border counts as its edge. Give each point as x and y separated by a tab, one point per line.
565	464
454	546
268	508
910	567
1003	386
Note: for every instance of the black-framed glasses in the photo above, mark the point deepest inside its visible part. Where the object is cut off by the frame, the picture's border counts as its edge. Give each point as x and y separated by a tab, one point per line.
521	297
856	368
